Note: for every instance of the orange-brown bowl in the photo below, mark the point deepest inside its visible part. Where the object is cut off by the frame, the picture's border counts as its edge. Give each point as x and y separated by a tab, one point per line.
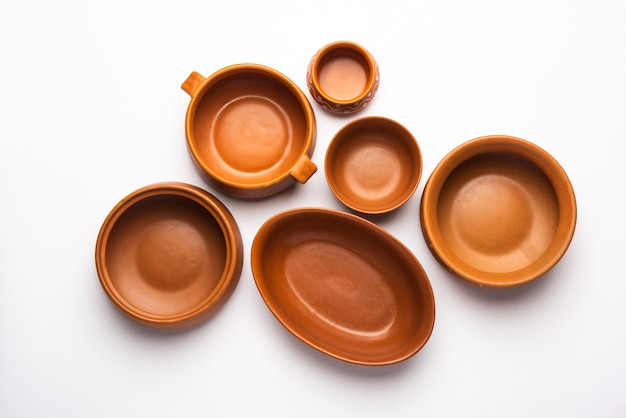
169	255
343	285
343	77
250	130
498	211
373	165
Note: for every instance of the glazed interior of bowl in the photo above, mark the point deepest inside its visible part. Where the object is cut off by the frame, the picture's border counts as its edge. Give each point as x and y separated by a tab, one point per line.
165	257
249	126
343	285
498	211
373	165
344	72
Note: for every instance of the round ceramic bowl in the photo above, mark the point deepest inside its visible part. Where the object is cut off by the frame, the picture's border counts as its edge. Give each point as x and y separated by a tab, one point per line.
169	255
373	165
343	77
498	211
250	130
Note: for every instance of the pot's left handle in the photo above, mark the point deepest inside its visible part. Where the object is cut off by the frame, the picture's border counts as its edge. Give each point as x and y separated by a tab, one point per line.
192	83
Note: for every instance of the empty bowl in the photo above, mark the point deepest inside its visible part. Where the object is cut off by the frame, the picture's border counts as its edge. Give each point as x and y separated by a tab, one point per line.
343	77
250	130
373	165
169	255
343	286
498	211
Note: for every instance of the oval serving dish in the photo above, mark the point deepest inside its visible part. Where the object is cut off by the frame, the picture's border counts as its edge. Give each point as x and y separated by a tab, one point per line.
169	255
343	285
498	211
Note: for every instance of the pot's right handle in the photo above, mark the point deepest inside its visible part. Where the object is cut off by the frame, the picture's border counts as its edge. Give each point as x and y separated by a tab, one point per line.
191	84
303	169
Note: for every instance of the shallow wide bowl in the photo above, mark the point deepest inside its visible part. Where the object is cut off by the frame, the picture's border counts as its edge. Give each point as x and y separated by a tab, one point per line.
250	130
343	285
169	255
343	77
498	211
373	165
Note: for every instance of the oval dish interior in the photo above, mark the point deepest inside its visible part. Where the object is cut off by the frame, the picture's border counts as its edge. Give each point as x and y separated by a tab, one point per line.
343	285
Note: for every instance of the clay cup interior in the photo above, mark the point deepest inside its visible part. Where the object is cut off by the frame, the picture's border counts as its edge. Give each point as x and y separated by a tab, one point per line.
169	255
343	77
373	165
498	211
250	130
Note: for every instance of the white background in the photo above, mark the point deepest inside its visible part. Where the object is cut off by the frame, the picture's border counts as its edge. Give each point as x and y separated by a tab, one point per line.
91	109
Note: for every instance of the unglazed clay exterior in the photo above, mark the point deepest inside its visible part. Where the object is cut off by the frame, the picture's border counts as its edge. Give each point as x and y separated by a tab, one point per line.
169	255
498	211
343	285
250	130
373	165
343	77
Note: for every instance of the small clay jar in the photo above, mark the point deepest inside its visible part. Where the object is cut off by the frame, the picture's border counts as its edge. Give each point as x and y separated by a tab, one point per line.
343	77
169	255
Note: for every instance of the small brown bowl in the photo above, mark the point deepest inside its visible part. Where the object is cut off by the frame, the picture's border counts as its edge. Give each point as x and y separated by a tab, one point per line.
373	165
498	211
343	77
169	255
343	286
250	130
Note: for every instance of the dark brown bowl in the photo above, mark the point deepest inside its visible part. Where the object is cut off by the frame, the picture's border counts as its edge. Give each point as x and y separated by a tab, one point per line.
169	255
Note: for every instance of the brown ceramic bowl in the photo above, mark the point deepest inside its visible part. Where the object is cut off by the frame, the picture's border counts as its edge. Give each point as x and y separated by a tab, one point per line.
169	255
343	285
250	130
373	165
343	77
498	211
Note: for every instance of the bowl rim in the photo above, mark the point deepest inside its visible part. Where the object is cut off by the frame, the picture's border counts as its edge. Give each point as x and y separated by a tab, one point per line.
355	47
251	69
233	259
357	125
535	155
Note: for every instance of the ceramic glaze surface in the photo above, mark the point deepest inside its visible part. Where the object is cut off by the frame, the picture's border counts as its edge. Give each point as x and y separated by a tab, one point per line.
343	76
250	130
373	165
163	252
343	286
498	211
169	255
